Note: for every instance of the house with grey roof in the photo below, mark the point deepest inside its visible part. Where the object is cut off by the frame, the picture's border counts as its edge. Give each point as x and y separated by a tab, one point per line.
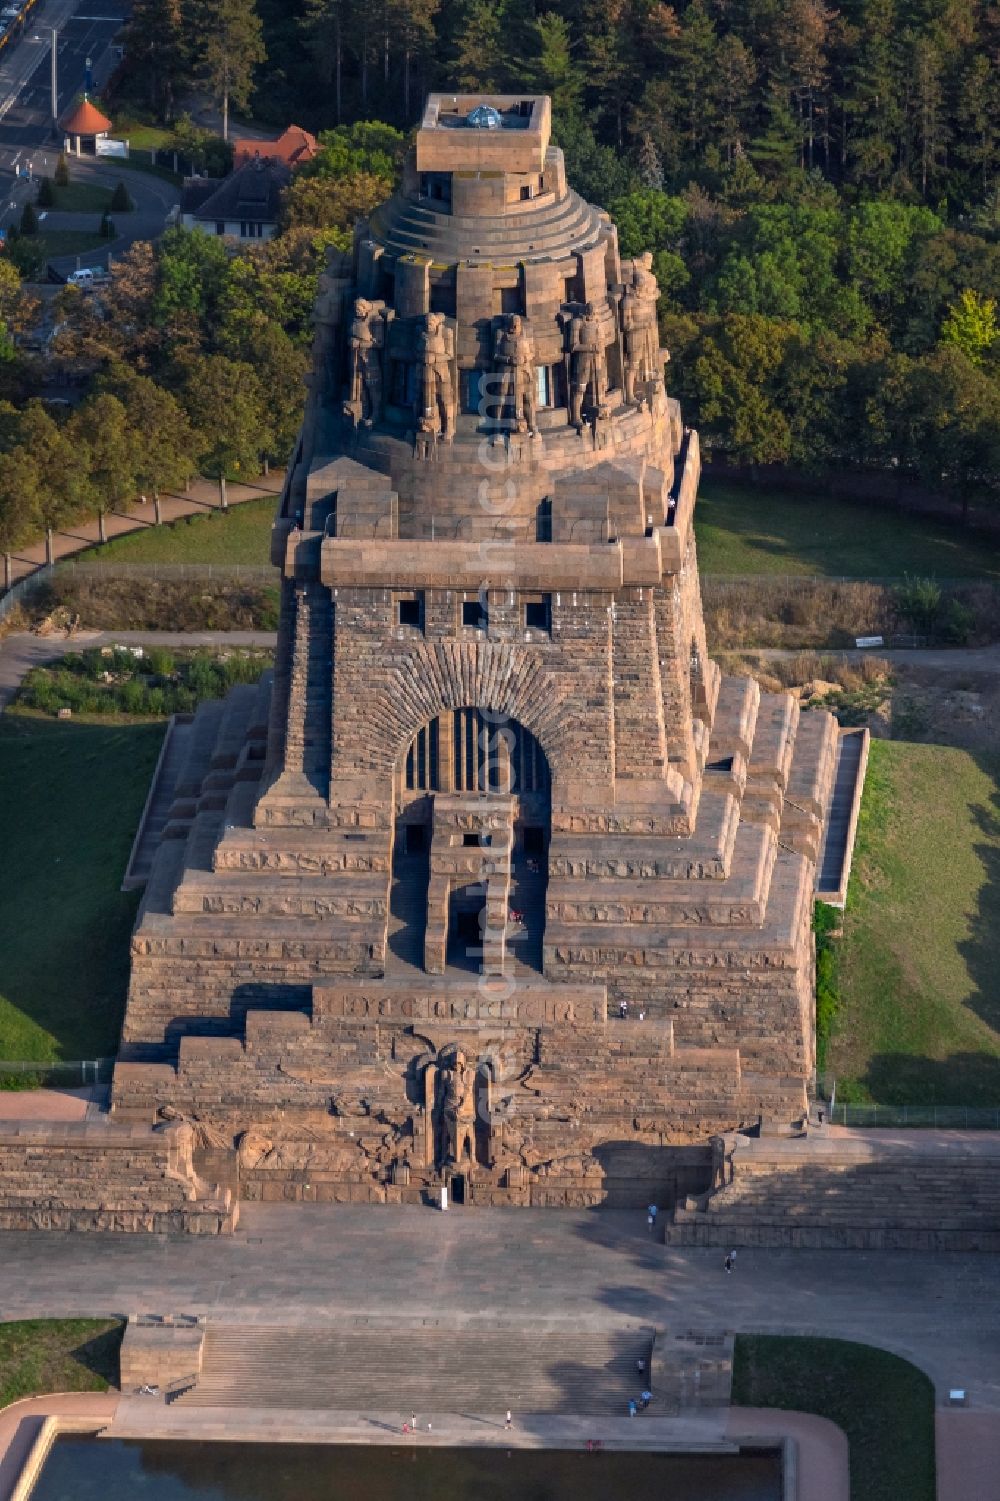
243	206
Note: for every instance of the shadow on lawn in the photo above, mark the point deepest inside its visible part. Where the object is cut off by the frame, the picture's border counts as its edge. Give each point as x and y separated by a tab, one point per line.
101	1354
981	950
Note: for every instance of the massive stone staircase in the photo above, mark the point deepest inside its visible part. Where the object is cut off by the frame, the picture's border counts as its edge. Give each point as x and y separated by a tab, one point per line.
868	1190
381	1365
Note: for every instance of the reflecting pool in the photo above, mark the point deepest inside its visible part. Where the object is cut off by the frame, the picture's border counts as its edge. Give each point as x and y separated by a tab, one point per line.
91	1469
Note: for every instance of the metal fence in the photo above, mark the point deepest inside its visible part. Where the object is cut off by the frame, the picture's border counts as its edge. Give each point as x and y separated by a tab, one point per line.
194	572
67	1073
941	1117
18	593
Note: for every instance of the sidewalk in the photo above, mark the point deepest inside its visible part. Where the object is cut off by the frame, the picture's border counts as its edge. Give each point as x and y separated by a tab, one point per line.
203	496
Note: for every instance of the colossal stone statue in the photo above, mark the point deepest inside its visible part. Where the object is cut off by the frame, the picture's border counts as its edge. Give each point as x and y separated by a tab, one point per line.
515	360
364	353
639	329
458	1111
435	385
587	366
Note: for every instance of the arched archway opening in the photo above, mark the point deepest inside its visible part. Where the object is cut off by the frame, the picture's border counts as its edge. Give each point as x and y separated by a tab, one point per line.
470	856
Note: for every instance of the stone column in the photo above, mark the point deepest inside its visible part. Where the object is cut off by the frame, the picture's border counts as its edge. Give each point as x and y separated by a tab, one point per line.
446	751
8	571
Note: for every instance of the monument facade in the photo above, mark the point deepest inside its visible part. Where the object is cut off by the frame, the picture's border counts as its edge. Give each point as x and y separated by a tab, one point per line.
497	882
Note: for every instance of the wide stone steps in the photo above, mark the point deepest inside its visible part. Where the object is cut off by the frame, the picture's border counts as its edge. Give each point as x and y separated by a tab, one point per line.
426	1369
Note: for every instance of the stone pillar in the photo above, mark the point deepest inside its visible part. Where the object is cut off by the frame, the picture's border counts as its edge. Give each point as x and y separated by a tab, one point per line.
157	515
102	527
223	498
49	558
446	751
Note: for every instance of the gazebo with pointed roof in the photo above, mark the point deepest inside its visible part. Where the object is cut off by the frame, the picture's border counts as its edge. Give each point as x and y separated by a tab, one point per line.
85	119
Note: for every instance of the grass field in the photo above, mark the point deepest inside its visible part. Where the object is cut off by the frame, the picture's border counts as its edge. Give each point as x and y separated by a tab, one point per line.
744	530
883	1404
917	966
240	535
73	794
58	1355
82	198
56	242
739	531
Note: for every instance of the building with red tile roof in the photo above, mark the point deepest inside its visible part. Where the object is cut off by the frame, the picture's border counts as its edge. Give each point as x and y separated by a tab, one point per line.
293	147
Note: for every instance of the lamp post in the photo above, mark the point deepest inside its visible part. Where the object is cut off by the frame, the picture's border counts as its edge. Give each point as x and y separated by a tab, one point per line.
55	79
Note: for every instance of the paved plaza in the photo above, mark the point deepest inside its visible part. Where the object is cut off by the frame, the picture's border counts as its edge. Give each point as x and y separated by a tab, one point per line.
306	1263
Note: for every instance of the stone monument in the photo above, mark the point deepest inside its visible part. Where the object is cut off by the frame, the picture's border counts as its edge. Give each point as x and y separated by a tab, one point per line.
497	881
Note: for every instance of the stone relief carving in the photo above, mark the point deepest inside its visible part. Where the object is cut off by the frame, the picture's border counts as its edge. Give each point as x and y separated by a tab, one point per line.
456	1110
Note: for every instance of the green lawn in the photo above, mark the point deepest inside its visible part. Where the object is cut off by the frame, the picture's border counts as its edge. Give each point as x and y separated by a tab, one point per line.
143	137
746	530
58	1355
883	1404
57	242
917	966
82	198
73	795
240	535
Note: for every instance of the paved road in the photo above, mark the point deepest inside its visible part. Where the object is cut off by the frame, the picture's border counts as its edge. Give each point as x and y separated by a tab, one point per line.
963	659
306	1264
86	29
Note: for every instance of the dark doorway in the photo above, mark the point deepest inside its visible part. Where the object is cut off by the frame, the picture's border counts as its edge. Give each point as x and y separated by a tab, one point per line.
465	928
534	841
416	838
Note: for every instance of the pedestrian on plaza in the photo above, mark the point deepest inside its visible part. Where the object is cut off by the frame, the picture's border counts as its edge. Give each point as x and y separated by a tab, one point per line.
623	1009
632	1408
732	1258
508	1421
413	1421
640	1368
729	1263
428	1427
647	1397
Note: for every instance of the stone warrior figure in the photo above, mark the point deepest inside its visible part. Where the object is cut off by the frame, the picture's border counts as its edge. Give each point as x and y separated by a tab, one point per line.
515	358
436	388
458	1111
639	328
587	368
364	355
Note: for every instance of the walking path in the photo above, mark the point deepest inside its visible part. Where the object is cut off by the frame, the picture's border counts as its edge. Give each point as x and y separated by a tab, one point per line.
308	1264
822	1458
201	497
20	651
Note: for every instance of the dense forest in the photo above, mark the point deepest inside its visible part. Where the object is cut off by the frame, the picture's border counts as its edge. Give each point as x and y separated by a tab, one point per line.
820	188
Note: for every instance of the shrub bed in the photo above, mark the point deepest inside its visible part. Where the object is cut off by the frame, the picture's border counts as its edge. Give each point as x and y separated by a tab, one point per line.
142	683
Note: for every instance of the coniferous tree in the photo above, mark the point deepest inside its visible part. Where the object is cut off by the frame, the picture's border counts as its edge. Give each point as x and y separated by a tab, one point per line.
155	43
226	45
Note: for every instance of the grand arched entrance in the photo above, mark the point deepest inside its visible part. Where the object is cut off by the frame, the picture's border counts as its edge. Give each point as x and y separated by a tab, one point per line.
470	856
